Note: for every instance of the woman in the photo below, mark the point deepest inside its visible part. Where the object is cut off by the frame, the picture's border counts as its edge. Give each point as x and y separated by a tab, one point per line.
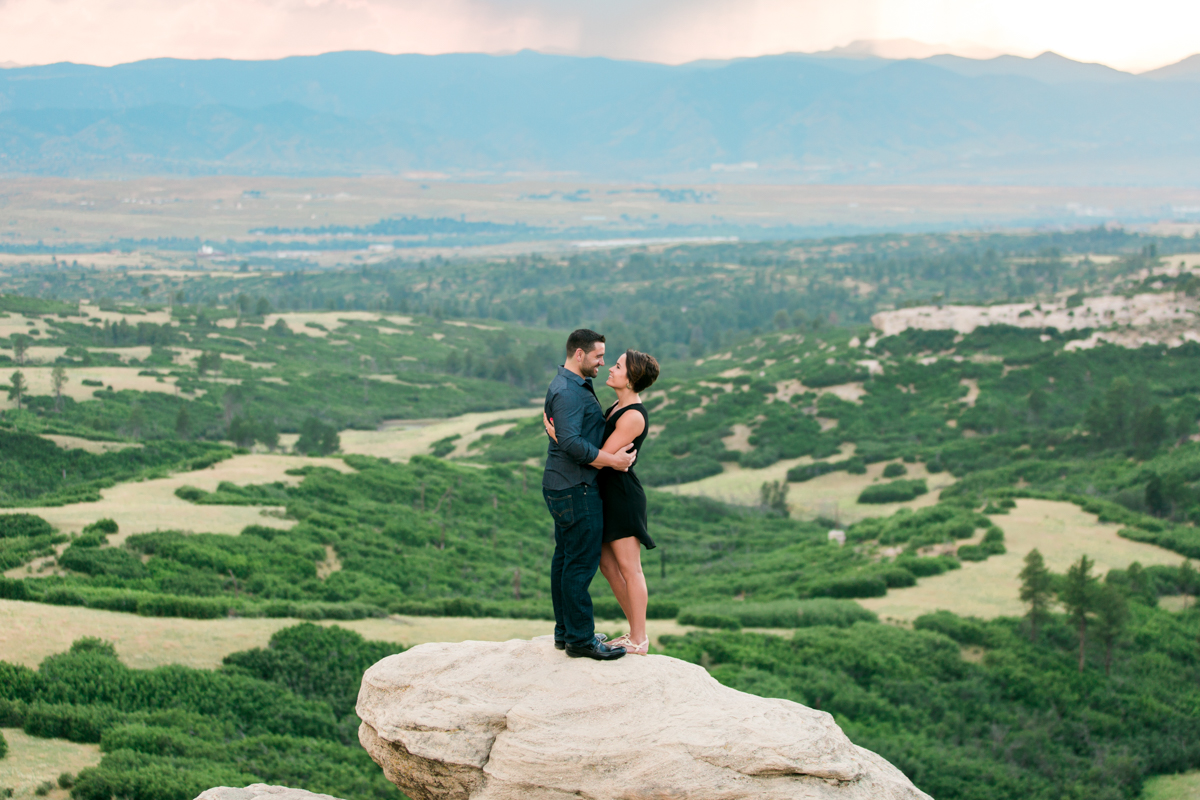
623	497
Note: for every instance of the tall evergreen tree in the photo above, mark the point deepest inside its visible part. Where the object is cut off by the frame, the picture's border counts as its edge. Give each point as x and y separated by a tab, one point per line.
1036	591
1078	596
1189	581
17	387
58	379
1112	613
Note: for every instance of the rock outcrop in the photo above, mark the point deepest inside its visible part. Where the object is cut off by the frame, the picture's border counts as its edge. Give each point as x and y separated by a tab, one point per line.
518	720
260	791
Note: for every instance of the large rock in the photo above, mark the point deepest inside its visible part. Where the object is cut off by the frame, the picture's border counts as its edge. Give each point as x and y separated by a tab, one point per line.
519	720
260	791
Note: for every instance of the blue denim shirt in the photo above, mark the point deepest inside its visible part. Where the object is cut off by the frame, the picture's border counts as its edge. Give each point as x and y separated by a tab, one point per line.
579	425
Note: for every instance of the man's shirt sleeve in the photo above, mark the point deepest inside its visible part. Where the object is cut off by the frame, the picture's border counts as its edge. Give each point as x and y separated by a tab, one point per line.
568	414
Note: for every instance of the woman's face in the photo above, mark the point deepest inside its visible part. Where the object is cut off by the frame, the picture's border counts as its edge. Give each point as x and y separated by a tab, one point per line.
617	378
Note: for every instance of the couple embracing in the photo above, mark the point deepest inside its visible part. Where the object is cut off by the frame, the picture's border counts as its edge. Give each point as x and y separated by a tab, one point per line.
597	502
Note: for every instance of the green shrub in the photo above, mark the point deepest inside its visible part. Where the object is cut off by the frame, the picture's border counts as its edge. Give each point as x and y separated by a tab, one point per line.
786	613
894	492
964	630
806	472
66	780
852	586
3	746
925	567
14	525
105	526
44	788
898	577
709	621
894	470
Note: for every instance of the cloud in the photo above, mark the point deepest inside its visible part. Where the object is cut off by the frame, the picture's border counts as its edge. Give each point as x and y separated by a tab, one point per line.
673	31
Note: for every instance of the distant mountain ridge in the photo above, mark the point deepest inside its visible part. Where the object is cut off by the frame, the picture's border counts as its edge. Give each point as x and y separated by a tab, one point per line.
794	117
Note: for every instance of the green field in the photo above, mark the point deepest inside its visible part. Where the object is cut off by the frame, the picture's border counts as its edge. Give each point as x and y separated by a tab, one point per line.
1173	787
236	451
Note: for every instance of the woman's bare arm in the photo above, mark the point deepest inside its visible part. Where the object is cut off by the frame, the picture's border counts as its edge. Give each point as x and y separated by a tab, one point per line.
629	427
620	459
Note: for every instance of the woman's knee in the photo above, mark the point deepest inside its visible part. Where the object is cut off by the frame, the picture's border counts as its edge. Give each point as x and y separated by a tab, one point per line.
628	555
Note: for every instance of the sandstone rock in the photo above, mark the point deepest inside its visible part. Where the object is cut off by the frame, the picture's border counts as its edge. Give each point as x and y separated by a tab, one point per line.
260	791
519	720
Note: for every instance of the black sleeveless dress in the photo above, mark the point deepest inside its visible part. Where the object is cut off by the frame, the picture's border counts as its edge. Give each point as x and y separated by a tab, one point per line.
621	492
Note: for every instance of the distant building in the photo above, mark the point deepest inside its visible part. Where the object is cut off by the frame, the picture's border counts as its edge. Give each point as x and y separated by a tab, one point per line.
838	536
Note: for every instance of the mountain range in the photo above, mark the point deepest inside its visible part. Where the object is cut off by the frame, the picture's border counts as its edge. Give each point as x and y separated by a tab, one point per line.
830	117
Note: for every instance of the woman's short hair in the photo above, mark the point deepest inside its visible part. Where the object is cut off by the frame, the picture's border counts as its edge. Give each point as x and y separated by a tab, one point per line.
642	370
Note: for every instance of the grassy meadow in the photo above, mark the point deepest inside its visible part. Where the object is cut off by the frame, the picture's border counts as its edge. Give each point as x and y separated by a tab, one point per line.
257	481
33	761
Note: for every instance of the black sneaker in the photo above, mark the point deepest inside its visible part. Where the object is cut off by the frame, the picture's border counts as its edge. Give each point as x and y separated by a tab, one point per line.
596	650
559	644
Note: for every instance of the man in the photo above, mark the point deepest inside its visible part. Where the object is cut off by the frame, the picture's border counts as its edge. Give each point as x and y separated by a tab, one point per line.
569	486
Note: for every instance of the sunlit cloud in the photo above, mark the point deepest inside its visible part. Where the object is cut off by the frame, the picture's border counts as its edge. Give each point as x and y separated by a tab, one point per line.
1122	34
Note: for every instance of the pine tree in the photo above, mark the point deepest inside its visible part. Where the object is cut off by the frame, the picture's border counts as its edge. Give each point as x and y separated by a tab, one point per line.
183	423
17	387
58	379
1036	591
1187	581
1112	612
1078	596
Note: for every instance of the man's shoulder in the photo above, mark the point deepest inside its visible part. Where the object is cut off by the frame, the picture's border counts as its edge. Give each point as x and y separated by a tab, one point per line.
561	383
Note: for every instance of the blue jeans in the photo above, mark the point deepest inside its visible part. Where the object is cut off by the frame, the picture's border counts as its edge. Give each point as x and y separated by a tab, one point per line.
578	533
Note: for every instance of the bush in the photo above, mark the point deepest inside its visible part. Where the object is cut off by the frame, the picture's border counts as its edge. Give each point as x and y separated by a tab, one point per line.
66	780
894	492
14	525
105	526
894	470
785	613
806	472
925	567
898	578
3	745
709	621
964	630
44	788
852	586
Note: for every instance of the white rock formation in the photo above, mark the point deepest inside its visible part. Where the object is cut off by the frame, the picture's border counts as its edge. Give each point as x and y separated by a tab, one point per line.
519	720
260	791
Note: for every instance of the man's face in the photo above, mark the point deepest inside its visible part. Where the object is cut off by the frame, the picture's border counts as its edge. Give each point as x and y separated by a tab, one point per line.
591	361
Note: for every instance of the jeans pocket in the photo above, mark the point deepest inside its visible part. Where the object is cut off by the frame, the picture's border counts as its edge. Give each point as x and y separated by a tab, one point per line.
562	509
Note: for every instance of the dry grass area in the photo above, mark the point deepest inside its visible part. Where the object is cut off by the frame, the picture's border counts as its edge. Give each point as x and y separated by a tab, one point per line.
90	445
1061	531
1167	317
400	440
297	321
32	761
31	631
119	378
834	496
1184	786
145	506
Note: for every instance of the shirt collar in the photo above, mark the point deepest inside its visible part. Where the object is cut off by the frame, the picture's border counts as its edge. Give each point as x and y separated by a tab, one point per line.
569	374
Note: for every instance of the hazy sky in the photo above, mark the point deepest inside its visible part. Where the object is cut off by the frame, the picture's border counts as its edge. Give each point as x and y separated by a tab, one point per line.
1127	35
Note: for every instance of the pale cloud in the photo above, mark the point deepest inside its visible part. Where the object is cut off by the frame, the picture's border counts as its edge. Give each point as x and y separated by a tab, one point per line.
672	31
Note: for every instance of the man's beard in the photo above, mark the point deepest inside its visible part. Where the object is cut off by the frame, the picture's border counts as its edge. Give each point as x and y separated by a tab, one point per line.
591	373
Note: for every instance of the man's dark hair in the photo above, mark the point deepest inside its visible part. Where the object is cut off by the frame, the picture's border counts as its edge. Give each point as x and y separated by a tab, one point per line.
582	339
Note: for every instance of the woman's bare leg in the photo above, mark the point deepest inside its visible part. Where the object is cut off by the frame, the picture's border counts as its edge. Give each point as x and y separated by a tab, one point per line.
628	554
612	573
